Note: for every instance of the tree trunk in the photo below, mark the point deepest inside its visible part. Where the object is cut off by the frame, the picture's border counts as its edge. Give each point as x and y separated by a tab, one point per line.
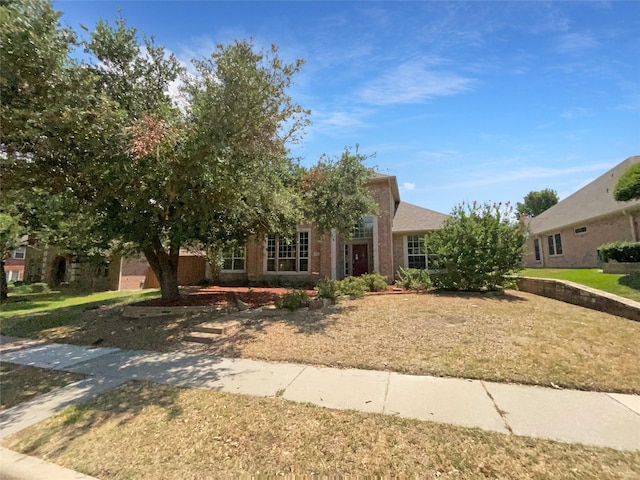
4	289
165	265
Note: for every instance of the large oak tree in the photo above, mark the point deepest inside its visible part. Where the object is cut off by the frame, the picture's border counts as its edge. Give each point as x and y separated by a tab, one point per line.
147	169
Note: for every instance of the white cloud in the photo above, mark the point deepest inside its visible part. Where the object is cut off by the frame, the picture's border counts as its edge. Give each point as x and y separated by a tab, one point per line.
527	174
576	113
408	186
576	42
413	82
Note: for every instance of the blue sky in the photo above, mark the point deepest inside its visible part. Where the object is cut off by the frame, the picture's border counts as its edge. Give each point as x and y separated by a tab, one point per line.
460	101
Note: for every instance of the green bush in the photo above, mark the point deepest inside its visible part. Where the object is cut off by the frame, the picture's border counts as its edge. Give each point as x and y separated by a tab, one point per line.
352	287
293	300
477	246
39	288
374	282
620	251
628	186
413	279
328	288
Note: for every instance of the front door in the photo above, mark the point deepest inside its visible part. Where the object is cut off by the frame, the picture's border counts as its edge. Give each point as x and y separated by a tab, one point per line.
360	260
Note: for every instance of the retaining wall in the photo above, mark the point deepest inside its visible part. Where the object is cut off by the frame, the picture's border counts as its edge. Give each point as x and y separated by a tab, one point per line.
580	295
615	267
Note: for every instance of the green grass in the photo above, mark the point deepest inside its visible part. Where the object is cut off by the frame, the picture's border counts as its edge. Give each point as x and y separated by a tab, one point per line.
619	284
28	317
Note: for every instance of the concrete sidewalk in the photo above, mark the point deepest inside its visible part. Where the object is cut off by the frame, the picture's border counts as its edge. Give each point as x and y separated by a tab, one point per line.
590	418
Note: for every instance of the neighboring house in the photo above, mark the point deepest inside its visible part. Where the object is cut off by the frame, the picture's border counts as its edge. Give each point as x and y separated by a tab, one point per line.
55	266
568	234
379	243
14	265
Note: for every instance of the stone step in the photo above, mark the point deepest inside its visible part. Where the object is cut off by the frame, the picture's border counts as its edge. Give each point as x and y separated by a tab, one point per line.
201	337
219	328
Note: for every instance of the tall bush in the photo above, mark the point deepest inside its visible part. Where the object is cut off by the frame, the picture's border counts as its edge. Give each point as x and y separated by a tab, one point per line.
620	251
477	246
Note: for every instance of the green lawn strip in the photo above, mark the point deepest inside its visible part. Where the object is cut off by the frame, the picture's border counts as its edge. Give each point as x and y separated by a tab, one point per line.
142	430
28	318
19	383
619	284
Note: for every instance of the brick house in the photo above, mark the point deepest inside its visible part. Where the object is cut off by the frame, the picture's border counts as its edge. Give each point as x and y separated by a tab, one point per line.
379	243
568	234
14	265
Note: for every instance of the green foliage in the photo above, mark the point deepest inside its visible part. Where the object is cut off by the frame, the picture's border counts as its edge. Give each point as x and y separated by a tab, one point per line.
477	246
413	279
328	288
293	300
122	163
335	193
536	202
374	282
39	288
353	287
628	186
620	251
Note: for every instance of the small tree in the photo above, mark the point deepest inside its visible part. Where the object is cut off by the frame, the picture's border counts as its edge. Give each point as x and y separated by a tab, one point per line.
628	186
537	202
477	246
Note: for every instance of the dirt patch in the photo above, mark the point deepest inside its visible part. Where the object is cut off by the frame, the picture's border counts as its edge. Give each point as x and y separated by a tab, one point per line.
222	296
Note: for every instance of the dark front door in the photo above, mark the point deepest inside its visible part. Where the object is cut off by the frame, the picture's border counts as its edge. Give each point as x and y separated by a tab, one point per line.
360	260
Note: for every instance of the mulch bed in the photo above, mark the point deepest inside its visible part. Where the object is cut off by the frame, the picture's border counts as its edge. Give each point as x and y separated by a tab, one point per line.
220	296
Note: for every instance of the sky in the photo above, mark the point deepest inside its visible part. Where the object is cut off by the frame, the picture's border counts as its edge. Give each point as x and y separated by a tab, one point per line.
461	101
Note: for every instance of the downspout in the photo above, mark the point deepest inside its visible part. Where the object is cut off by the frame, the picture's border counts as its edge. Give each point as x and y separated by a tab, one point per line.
334	255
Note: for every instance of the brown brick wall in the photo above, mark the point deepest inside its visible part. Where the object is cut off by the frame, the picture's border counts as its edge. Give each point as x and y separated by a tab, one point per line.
579	250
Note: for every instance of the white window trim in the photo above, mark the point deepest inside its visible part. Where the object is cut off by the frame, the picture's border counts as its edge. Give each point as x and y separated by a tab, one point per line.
266	259
22	250
243	270
405	252
555	245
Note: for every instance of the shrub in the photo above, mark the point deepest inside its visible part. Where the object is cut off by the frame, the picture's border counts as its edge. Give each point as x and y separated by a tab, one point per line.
39	288
620	251
328	288
477	246
628	186
413	279
293	300
374	282
352	286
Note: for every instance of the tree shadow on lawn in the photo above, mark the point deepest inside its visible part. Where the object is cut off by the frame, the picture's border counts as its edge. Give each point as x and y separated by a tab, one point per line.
101	324
120	405
632	281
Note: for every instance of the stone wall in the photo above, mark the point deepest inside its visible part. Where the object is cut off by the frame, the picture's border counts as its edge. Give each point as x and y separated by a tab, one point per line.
616	267
580	295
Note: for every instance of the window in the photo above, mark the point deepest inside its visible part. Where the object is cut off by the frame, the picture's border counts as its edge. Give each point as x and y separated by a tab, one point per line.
581	230
364	228
288	256
536	249
19	253
555	244
12	275
416	252
233	258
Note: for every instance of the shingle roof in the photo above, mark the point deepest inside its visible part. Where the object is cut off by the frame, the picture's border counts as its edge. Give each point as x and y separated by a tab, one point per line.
412	218
592	201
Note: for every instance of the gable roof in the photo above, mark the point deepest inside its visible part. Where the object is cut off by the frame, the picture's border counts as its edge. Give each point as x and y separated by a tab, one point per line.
590	202
412	218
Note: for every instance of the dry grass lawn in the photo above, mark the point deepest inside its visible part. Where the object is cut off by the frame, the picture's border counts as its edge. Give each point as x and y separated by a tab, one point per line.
153	432
20	383
515	337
